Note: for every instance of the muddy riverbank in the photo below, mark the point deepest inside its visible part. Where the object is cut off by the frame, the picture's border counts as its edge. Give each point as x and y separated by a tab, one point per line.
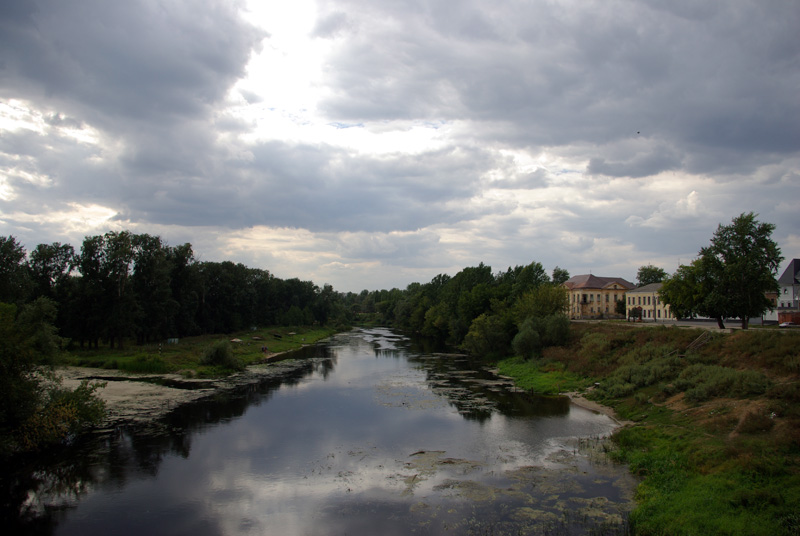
143	398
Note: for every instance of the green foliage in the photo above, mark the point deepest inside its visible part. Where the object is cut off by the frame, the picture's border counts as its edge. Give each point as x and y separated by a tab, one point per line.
19	382
541	377
560	276
627	379
529	278
36	325
487	337
702	382
14	280
65	412
220	354
537	333
708	469
527	343
675	497
143	364
731	276
650	274
554	330
544	300
35	410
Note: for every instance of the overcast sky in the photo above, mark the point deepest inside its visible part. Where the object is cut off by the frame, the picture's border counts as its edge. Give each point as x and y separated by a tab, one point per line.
373	143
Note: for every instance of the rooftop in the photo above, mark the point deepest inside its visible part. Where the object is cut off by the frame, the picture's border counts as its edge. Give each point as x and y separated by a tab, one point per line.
596	281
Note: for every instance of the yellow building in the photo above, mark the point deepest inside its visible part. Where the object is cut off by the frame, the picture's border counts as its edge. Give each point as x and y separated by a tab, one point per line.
592	296
647	299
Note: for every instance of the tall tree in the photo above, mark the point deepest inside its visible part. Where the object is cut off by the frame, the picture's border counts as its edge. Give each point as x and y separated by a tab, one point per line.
50	265
150	283
731	276
650	274
117	269
532	276
544	300
683	292
560	276
744	261
14	281
87	307
186	286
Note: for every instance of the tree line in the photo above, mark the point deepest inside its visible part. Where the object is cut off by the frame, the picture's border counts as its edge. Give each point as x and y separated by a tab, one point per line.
476	309
124	286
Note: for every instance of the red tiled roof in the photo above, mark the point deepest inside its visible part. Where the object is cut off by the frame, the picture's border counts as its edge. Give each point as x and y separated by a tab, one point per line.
594	281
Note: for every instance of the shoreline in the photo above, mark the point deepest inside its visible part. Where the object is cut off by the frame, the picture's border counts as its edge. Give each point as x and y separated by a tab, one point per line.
134	399
581	401
143	398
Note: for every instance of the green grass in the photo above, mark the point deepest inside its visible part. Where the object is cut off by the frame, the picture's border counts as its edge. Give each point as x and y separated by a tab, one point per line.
716	439
540	377
187	356
695	484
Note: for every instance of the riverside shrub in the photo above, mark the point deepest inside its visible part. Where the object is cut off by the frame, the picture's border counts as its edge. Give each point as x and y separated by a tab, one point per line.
220	354
702	382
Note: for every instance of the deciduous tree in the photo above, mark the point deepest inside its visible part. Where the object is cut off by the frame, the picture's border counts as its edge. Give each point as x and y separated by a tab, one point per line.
650	274
731	276
13	274
743	262
560	276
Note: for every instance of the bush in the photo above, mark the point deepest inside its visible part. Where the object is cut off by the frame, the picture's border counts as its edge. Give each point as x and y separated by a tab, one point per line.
555	330
143	365
34	409
536	333
628	378
702	382
527	342
755	422
65	413
220	354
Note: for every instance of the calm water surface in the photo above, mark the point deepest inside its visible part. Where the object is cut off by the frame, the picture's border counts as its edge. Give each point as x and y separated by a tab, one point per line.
364	434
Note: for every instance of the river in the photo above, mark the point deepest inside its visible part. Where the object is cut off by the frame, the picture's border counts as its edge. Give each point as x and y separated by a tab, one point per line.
365	433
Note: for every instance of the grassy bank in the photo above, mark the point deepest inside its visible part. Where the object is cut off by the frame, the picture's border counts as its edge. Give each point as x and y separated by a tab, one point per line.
716	439
189	356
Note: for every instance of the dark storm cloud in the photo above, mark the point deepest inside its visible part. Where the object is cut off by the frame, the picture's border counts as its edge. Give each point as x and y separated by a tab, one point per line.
638	166
138	61
328	189
721	76
149	75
